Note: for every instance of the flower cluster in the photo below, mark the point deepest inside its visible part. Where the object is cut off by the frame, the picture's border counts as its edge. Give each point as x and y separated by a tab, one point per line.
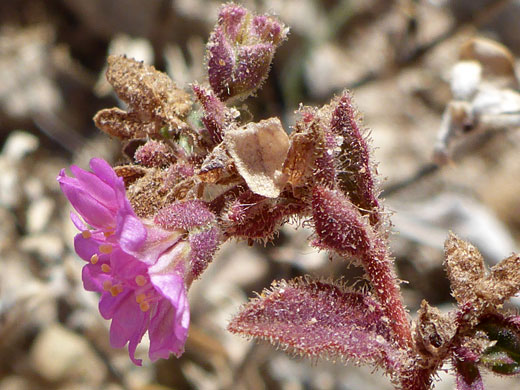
202	175
140	269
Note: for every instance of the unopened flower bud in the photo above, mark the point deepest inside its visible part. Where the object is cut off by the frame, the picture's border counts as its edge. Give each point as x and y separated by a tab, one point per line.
240	51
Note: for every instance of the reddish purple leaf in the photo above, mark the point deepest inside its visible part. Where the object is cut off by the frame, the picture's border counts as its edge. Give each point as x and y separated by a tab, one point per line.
320	319
184	215
357	176
154	154
339	224
254	216
217	117
468	374
204	244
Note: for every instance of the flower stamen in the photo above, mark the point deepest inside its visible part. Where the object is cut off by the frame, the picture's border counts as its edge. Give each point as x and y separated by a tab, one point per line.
106	268
105	248
94	259
116	290
140	280
144	306
86	234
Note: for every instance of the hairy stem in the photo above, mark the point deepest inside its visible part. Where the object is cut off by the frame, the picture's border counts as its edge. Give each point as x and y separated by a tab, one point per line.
417	378
379	267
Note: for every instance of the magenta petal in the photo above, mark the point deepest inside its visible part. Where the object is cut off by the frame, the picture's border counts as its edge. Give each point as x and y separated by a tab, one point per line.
99	190
93	212
77	221
85	247
127	321
108	304
126	266
157	242
93	278
135	339
169	327
105	172
130	232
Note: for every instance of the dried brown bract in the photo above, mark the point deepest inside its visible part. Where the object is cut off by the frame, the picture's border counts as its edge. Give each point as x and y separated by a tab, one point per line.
465	268
154	101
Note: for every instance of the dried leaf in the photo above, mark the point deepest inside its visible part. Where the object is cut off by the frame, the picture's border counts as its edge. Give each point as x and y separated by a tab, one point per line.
153	98
299	163
503	281
314	148
147	90
434	330
465	268
123	125
130	173
259	151
216	165
320	319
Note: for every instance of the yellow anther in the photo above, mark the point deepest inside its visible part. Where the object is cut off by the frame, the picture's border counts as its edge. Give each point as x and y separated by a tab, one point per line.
107	285
86	234
144	306
140	280
94	259
140	298
108	234
115	290
105	248
105	268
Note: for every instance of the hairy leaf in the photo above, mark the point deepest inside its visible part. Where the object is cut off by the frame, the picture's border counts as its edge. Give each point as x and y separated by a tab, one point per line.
465	268
468	376
503	357
320	319
339	224
504	280
217	117
357	175
254	216
153	98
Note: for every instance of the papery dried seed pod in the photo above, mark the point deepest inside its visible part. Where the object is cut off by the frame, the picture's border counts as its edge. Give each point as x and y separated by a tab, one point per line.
259	151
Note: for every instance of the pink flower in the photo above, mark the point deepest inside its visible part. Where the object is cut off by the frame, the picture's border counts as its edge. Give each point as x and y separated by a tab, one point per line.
139	268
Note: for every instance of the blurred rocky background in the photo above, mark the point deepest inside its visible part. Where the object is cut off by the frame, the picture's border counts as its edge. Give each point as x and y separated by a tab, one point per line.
442	118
